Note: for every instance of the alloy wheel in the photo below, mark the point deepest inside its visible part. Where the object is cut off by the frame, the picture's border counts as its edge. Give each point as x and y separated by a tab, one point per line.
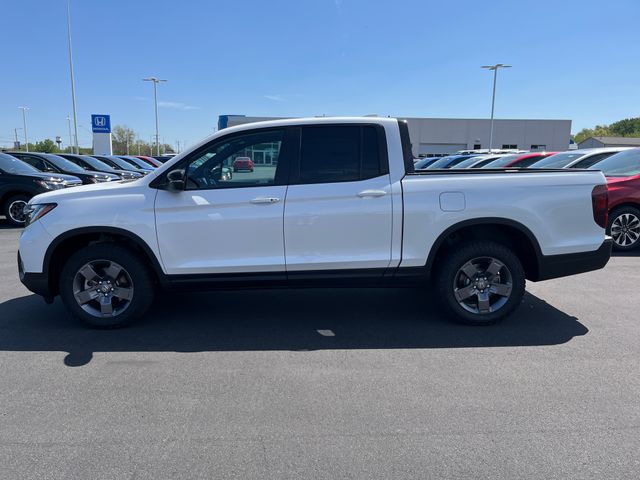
625	229
16	211
103	288
483	285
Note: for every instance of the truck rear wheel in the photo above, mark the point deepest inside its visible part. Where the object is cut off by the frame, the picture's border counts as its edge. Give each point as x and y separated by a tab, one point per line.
106	285
481	283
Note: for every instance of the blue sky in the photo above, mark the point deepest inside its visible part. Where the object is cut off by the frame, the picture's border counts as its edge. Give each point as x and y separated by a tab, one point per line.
572	60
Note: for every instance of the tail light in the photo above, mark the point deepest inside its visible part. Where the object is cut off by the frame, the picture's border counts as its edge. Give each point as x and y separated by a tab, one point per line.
600	202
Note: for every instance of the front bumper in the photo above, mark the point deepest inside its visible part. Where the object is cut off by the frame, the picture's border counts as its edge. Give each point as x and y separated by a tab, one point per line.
37	283
554	266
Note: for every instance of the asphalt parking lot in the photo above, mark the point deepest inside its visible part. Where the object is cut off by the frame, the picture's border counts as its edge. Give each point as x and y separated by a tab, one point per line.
328	384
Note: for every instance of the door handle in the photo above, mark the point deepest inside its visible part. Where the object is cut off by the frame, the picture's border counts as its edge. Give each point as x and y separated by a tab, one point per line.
372	193
261	200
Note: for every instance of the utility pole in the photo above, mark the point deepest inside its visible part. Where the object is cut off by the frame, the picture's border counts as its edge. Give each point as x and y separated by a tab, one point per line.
16	141
155	81
24	124
495	69
73	83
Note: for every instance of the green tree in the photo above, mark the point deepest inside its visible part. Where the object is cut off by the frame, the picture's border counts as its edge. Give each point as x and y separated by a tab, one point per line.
597	131
45	146
123	138
629	127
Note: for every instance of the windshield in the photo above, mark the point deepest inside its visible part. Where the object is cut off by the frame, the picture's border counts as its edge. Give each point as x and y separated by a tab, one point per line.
468	162
64	164
501	162
559	160
623	164
450	161
137	162
424	162
119	163
12	165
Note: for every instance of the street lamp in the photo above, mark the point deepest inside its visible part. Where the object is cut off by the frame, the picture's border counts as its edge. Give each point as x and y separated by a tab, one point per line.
73	83
24	124
155	81
493	100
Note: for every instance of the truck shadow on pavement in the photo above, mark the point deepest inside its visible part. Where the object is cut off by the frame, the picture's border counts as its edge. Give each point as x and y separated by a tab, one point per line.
297	320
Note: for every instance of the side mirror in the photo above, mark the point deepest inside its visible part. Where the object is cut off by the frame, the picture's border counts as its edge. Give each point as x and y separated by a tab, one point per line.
175	180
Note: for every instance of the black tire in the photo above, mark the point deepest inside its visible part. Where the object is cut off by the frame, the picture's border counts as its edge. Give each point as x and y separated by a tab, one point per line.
622	216
449	278
138	278
10	206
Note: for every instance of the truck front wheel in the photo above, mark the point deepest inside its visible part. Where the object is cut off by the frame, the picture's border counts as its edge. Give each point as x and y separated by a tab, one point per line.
481	283
106	285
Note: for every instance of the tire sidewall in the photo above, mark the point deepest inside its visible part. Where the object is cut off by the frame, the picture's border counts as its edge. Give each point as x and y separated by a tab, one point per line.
141	279
615	214
450	267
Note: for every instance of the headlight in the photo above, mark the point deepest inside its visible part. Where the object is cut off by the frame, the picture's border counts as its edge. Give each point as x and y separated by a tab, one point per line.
37	211
50	184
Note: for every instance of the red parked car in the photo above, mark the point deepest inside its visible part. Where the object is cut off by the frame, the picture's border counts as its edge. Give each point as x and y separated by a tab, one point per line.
518	160
243	163
623	179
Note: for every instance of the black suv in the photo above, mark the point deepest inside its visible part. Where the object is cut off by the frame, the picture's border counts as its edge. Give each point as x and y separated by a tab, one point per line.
89	163
47	162
19	182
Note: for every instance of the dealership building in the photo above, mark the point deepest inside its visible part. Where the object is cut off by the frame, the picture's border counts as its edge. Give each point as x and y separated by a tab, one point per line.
442	136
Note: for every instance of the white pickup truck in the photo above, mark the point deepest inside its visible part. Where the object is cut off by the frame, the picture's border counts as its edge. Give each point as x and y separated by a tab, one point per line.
330	202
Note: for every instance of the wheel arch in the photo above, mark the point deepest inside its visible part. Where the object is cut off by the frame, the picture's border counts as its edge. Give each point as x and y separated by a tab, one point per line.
67	243
4	196
508	232
631	204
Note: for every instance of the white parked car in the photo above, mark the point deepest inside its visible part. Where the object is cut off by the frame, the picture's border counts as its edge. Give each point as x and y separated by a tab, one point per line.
584	158
339	204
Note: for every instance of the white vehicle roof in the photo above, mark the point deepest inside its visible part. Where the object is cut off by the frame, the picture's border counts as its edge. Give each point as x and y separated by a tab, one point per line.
588	152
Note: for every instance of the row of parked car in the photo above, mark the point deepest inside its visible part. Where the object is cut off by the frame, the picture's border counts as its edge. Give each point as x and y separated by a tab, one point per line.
621	166
25	174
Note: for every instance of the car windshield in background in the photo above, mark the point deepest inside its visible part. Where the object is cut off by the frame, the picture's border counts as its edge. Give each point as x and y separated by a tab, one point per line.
450	161
96	164
559	160
468	162
12	165
424	163
623	164
116	162
64	164
501	162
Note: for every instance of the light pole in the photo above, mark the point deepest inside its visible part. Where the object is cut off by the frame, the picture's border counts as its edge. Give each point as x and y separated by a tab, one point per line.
155	81
70	136
493	99
24	125
73	83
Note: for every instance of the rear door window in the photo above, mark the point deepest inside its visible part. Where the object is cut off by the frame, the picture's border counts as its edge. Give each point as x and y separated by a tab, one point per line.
343	153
